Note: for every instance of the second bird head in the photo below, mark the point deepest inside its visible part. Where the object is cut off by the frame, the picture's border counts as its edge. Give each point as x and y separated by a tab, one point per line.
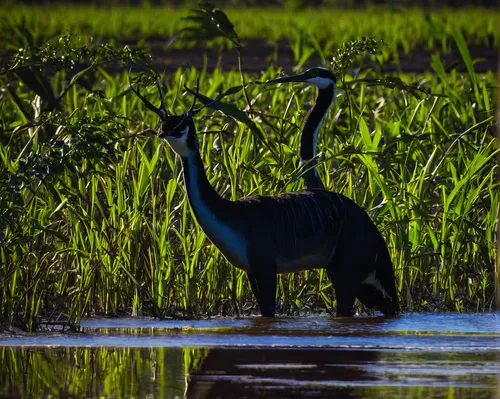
320	77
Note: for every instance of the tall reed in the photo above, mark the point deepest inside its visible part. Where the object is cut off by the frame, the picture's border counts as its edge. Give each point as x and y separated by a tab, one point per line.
94	219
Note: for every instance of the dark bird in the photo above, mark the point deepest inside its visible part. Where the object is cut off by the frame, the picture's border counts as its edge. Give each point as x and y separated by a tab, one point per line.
325	81
267	235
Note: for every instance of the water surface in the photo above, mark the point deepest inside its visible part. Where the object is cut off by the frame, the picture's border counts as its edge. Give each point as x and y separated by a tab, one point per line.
416	355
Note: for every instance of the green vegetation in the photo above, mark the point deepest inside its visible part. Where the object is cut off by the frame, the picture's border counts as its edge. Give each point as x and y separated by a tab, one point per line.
403	28
97	372
94	218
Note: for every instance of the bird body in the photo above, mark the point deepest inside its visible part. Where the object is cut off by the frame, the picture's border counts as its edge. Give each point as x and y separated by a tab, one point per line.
377	286
267	235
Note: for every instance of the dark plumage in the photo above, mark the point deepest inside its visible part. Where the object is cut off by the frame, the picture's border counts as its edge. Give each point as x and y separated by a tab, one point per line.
310	229
351	266
267	235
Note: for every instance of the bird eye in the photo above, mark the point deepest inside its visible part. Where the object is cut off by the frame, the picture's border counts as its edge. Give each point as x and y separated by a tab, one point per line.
314	73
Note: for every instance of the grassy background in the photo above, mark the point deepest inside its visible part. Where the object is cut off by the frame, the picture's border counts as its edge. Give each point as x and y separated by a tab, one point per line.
402	28
94	219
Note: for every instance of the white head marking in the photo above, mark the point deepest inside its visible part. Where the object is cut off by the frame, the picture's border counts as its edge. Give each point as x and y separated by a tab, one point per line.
179	144
320	83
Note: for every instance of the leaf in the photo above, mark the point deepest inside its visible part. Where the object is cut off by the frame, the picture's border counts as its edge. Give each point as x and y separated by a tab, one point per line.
234	112
80	74
223	23
394	83
365	134
20	104
228	109
206	6
464	52
438	67
209	23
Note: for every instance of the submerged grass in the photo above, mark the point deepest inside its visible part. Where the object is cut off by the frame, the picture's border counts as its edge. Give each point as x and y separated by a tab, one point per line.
94	218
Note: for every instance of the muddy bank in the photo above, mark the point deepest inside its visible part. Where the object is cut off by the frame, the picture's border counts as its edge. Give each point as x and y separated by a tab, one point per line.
257	55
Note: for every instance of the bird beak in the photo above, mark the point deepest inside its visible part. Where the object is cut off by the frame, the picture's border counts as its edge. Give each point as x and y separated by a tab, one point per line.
301	77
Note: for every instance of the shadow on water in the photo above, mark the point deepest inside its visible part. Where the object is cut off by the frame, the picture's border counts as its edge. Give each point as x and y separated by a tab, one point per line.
416	356
343	374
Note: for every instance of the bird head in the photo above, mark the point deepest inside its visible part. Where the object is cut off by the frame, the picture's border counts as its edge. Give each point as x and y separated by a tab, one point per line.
178	130
320	77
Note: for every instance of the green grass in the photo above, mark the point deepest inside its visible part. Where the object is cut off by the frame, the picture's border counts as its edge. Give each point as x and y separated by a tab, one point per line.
404	29
94	218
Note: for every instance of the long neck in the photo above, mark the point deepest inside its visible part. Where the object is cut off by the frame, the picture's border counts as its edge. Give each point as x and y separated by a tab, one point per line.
202	196
309	136
215	215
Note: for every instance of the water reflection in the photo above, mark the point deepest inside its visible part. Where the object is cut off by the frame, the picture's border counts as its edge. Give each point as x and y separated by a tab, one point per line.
97	372
245	372
407	322
344	374
281	372
417	356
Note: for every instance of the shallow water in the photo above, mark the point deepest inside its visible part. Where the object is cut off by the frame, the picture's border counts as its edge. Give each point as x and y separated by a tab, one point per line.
416	355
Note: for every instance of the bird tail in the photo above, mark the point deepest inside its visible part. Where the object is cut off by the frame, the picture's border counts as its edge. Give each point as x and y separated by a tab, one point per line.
378	289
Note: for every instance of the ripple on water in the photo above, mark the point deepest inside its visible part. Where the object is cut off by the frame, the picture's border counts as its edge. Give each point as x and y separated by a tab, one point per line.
416	355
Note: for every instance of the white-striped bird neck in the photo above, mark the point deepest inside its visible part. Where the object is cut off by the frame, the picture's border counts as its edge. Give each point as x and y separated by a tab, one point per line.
309	135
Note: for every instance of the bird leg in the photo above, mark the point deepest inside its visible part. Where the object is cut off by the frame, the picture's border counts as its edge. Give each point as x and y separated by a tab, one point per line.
264	288
345	292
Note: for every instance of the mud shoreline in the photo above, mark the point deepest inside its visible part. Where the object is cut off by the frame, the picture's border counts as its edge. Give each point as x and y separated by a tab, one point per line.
258	55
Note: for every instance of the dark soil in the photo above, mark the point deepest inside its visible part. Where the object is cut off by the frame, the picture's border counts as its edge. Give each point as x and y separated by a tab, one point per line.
258	55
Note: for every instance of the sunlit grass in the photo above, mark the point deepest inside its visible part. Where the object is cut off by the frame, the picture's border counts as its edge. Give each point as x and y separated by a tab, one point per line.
113	231
94	217
404	29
